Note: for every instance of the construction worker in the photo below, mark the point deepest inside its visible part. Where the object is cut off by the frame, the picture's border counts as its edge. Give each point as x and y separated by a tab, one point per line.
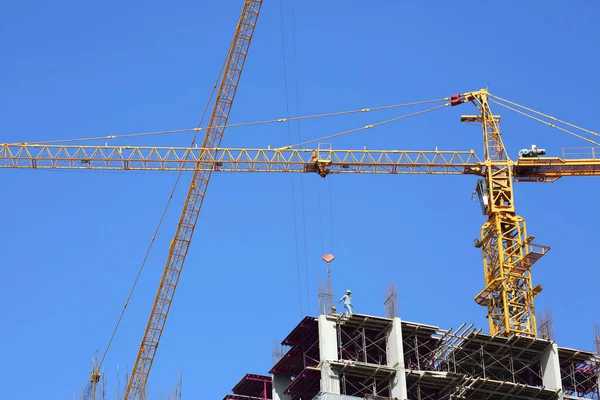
347	303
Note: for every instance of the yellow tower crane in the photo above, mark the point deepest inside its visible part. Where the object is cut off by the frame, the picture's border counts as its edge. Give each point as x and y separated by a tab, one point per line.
508	252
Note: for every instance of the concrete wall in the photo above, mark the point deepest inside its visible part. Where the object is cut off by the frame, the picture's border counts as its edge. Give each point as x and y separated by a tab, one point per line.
280	383
330	381
395	358
551	369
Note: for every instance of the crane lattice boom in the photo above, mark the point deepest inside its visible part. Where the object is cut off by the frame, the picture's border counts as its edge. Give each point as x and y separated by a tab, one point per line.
331	161
191	210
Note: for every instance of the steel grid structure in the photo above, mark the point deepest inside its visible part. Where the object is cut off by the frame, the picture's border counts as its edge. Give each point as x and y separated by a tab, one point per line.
464	363
232	71
580	373
439	364
328	161
483	358
364	380
153	158
362	356
362	345
326	306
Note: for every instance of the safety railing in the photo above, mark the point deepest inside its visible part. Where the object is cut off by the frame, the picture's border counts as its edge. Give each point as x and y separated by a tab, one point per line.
580	153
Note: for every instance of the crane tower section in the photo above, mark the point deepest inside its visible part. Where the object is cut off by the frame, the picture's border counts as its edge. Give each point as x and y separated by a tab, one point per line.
507	251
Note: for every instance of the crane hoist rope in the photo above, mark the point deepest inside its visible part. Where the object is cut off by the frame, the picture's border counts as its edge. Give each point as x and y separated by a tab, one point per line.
365	127
544	115
548	123
242	124
95	375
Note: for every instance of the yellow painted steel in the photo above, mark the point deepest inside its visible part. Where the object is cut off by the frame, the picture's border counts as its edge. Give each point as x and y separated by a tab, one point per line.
321	161
332	161
508	253
193	203
550	169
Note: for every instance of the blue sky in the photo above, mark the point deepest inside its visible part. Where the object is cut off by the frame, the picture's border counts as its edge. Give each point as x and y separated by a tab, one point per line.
71	242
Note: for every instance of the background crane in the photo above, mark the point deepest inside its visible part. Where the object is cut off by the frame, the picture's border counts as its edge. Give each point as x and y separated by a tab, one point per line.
231	74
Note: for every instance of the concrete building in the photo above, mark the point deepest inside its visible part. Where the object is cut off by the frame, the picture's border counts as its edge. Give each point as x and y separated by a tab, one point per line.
331	357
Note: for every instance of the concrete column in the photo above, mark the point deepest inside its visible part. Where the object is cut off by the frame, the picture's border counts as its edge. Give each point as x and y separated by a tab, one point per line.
330	381
395	359
551	369
280	383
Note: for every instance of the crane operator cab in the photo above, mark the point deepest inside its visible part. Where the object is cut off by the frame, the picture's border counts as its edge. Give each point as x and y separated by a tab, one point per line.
533	152
483	194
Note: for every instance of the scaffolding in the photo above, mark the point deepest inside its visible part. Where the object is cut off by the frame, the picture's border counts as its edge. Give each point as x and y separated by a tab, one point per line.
362	339
362	356
579	372
437	364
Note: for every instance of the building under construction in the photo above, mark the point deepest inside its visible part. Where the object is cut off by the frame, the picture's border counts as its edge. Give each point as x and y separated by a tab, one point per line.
335	357
339	356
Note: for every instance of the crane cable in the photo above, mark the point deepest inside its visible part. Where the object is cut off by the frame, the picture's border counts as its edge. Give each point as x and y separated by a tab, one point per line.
206	107
289	132
545	115
299	138
548	123
263	122
362	128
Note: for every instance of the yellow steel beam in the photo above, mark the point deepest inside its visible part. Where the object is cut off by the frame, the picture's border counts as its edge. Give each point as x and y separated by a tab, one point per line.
550	169
147	158
508	293
230	78
239	160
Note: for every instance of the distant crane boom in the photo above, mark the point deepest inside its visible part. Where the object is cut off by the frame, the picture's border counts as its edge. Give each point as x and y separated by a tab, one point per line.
191	210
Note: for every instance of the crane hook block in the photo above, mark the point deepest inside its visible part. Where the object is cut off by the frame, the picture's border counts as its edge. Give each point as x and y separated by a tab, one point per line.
456	99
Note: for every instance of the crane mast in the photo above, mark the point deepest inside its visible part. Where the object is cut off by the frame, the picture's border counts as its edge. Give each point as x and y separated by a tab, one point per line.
507	251
193	203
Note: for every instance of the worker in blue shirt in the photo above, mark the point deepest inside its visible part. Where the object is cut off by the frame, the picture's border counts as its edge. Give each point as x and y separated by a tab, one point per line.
347	303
